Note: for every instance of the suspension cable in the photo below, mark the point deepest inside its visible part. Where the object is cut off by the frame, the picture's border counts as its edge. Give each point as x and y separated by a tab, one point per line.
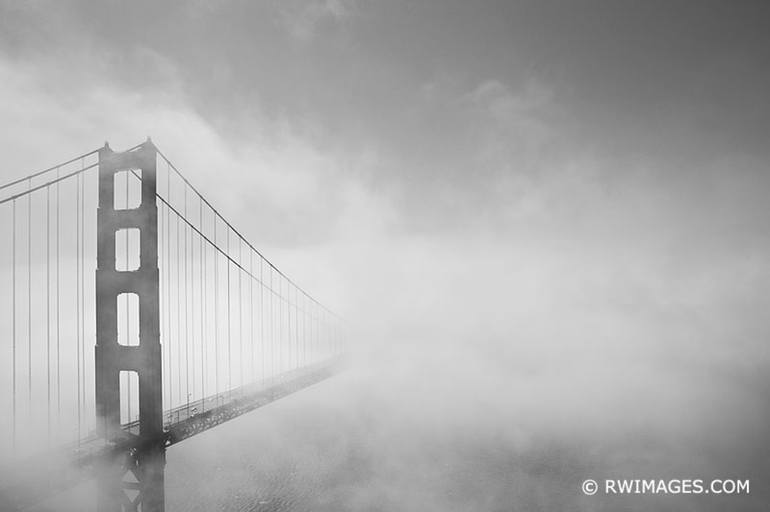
236	232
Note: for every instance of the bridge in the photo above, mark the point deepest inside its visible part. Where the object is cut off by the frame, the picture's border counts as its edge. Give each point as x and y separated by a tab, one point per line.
133	316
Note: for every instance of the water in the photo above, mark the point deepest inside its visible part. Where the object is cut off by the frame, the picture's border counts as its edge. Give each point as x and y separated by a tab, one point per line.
348	444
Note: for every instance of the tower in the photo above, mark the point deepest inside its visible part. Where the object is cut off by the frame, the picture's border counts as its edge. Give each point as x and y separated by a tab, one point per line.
140	458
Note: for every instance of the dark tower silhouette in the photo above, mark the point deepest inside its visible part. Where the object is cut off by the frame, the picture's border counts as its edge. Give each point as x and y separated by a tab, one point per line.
132	478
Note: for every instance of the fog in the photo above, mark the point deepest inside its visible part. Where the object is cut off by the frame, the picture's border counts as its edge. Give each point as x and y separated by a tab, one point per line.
551	256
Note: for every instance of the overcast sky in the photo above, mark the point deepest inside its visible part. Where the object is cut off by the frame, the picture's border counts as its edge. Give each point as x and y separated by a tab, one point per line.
540	183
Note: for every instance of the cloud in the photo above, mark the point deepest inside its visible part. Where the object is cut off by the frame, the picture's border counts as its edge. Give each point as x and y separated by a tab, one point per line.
494	268
303	21
501	102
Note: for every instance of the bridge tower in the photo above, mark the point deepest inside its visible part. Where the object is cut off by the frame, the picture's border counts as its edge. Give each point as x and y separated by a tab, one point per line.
133	478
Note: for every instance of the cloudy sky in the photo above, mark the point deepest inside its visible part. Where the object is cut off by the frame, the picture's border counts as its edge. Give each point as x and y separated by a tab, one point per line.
572	192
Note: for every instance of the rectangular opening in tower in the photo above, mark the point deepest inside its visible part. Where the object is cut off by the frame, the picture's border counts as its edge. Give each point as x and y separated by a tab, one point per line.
127	249
128	189
129	401
128	319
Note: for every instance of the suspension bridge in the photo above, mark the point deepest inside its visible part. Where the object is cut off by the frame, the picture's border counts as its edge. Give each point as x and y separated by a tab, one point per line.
133	315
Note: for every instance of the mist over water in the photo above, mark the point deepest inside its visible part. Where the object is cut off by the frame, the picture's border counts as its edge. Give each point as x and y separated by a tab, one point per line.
546	228
498	372
601	335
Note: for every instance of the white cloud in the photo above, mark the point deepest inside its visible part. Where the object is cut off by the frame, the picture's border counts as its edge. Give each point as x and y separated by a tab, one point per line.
292	199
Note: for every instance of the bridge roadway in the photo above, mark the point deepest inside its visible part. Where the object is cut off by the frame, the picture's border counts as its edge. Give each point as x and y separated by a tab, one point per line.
35	479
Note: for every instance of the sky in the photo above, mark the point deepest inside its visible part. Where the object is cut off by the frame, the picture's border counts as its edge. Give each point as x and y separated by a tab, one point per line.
561	197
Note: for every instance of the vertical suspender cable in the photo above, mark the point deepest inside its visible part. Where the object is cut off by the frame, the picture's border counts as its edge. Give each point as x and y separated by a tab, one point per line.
272	329
82	286
48	310
216	315
281	344
162	292
13	322
262	320
167	271
58	302
240	307
77	299
202	268
186	318
251	313
229	352
178	317
288	326
29	300
302	309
